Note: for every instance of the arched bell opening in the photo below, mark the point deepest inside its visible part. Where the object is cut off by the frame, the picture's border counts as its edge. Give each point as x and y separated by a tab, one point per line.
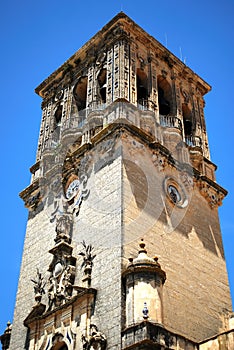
102	84
57	122
80	93
164	96
142	87
187	120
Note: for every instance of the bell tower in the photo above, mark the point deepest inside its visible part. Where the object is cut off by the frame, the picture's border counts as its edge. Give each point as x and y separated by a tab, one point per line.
122	172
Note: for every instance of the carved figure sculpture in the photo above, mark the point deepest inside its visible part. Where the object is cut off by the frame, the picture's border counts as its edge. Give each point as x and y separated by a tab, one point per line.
95	341
63	228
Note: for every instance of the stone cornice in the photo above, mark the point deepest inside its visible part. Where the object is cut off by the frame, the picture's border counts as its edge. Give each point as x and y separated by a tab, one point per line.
38	311
31	195
122	126
212	191
153	336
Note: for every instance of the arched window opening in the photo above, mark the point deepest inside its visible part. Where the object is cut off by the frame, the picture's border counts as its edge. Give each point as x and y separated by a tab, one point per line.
164	96
102	85
80	93
58	115
142	86
57	123
187	120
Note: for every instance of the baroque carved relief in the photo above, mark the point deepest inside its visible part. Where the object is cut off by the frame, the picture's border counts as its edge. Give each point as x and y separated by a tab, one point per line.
62	275
213	196
159	161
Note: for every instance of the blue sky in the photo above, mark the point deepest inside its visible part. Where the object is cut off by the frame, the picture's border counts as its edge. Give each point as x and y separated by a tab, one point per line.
37	37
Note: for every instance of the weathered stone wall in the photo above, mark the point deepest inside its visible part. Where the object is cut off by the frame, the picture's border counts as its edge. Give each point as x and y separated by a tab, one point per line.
187	240
99	223
38	240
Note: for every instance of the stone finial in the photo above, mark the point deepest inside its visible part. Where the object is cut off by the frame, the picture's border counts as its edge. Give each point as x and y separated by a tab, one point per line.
87	263
142	247
38	287
143	259
145	311
6	336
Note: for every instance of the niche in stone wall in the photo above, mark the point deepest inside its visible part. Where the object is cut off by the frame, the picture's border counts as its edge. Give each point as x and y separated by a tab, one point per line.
80	93
164	96
102	85
142	86
187	120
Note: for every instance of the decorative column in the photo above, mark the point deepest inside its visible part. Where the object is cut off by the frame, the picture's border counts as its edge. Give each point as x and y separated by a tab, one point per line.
133	83
121	70
90	87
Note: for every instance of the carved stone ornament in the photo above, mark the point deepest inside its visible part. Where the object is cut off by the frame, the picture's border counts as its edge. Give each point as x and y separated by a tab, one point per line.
159	161
63	228
95	341
62	269
75	192
59	95
38	309
39	286
87	263
6	336
212	195
186	95
187	180
31	196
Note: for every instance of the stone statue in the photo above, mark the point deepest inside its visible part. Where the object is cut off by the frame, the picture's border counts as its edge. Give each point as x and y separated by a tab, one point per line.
63	228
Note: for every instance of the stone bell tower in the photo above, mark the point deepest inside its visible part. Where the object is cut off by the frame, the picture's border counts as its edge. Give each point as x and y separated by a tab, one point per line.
122	172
